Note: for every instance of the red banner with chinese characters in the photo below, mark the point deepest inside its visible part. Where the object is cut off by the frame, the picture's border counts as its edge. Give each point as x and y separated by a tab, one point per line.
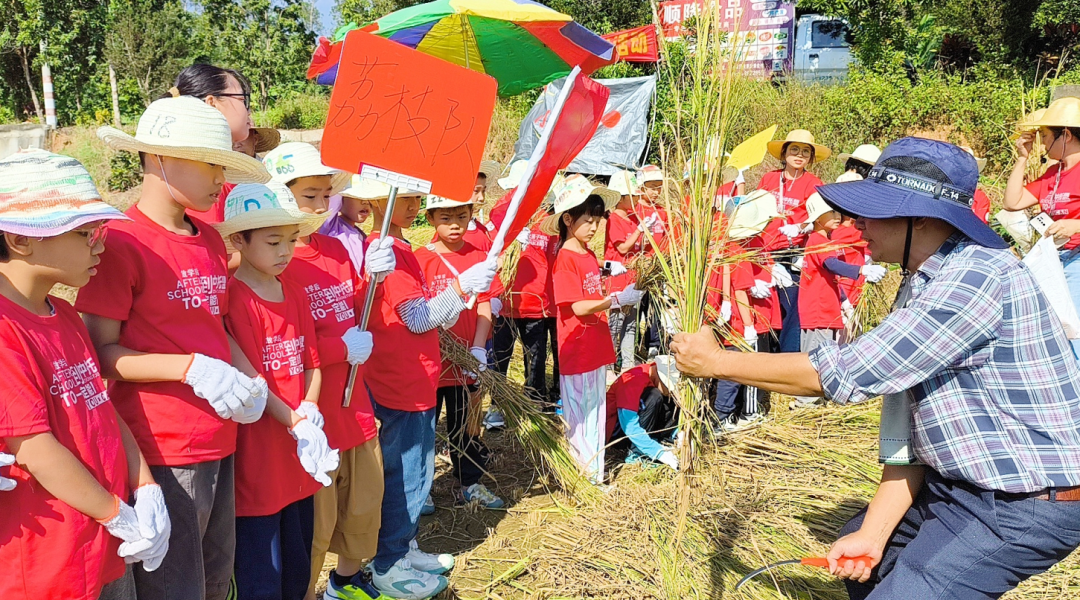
636	45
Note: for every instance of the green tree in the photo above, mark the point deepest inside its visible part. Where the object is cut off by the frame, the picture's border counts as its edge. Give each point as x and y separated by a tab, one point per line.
148	43
366	11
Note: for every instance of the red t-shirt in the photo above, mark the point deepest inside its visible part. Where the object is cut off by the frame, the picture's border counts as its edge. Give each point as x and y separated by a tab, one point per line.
322	268
52	384
658	230
819	292
439	278
741	278
981	205
855	253
584	342
403	371
279	340
478	235
1066	203
617	231
791	200
216	214
532	294
169	292
625	394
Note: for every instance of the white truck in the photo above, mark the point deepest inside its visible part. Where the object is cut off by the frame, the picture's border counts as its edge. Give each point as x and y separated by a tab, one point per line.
822	48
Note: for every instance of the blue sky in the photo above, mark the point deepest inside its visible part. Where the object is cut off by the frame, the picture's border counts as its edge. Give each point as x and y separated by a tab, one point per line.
326	12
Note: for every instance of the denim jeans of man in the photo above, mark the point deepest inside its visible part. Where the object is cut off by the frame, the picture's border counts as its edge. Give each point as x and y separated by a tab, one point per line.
408	448
1070	260
961	542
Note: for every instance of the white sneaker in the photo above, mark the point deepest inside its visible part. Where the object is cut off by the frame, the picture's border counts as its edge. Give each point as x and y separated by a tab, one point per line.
435	564
407	583
494	419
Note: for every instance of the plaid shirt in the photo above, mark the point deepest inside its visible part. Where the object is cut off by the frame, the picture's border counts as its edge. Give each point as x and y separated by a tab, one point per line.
995	387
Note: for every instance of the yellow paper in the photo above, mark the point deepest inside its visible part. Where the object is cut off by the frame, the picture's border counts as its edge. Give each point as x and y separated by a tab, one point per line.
752	151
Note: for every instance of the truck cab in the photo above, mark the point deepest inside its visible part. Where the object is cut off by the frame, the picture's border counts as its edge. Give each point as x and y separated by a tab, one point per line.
822	48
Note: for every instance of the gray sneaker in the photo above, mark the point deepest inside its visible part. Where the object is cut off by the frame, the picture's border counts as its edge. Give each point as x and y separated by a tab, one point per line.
494	419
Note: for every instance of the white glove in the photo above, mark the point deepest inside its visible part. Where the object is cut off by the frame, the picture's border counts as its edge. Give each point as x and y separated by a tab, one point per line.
847	312
781	277
628	297
154	524
791	230
477	278
646	225
523	238
227	390
750	334
310	411
496	308
869	260
874	273
359	344
617	268
6	484
379	259
314	451
739	179
725	311
480	354
798	264
125	525
761	290
250	415
668	458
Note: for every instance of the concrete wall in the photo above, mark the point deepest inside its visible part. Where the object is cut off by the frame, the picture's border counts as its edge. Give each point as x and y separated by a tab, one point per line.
20	137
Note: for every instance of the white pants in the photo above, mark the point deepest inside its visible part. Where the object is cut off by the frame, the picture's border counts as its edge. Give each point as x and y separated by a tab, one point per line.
584	407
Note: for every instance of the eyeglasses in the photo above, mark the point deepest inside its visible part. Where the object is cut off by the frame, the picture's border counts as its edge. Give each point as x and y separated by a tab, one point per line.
245	97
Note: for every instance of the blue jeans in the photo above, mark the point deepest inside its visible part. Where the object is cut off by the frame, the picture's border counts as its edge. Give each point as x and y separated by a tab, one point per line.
408	449
962	542
1070	259
273	553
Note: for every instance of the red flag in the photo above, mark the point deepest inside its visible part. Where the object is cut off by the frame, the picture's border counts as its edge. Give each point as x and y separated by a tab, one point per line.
574	123
636	45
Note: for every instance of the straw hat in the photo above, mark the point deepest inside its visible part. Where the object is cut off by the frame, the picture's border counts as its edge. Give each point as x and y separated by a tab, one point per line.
44	195
650	173
574	191
490	169
441	202
866	153
980	162
269	138
667	371
363	188
293	160
1026	123
257	205
847	176
752	213
800	136
624	183
1063	112
191	129
513	177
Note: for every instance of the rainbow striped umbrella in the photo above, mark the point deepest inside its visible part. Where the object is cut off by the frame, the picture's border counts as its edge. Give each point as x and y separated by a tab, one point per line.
522	44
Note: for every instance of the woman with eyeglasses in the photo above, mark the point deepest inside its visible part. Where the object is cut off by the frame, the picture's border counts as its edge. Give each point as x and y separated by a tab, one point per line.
225	89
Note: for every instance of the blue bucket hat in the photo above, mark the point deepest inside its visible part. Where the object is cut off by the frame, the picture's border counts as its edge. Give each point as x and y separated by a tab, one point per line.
916	177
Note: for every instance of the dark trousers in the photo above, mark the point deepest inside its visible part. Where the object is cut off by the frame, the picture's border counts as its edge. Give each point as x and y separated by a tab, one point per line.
535	335
961	542
468	454
790	332
651	339
658	414
273	553
729	397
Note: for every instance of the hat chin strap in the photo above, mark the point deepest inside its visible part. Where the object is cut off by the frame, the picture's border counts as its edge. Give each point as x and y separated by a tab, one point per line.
166	178
907	247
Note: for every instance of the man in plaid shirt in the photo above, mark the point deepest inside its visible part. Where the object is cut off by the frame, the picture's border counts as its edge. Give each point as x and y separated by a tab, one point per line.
994	387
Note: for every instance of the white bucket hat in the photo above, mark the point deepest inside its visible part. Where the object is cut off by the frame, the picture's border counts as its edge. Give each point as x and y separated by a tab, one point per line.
370	189
752	214
667	372
815	207
866	153
650	173
188	128
624	183
575	190
44	195
257	205
293	160
441	202
513	178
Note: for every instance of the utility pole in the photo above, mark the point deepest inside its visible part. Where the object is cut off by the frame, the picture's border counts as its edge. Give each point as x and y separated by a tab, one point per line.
115	97
47	86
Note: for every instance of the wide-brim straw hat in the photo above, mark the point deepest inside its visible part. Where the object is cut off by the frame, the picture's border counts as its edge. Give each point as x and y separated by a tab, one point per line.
491	169
187	128
981	162
751	214
514	175
258	205
363	188
1025	124
799	136
1063	112
269	138
434	201
574	191
624	183
44	195
865	153
667	372
293	160
815	207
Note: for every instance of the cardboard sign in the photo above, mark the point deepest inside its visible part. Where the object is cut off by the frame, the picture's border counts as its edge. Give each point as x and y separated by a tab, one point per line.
636	45
407	112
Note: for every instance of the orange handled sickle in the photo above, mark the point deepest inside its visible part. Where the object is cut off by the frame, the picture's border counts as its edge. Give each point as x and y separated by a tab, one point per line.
812	561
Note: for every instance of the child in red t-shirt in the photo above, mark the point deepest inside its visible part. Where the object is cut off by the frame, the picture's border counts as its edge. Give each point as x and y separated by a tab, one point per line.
585	348
442	261
640	407
623	239
403	377
155	316
272	326
67	526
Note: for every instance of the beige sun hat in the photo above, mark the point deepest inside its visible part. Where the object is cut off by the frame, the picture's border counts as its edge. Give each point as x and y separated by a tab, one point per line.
1026	123
979	162
271	204
799	136
848	177
269	138
650	173
188	128
513	177
815	207
1063	112
624	183
866	153
490	169
434	201
363	188
574	190
667	372
752	214
293	160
